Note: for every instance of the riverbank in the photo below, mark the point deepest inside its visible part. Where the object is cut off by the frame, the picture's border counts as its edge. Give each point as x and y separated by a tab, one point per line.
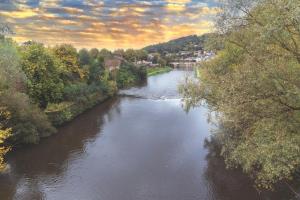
64	112
158	70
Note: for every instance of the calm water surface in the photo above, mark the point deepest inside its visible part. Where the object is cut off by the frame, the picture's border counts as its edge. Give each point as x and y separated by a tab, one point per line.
141	146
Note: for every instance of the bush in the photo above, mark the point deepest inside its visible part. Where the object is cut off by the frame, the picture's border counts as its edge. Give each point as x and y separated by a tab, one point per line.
73	91
27	121
129	75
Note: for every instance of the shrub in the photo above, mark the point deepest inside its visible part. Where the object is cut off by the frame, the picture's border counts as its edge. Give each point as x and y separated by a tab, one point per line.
27	121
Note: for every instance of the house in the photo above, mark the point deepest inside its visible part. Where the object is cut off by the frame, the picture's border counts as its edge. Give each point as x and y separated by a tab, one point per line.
146	63
113	63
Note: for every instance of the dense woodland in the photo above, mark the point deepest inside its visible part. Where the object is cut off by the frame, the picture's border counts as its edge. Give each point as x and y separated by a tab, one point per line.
40	85
253	89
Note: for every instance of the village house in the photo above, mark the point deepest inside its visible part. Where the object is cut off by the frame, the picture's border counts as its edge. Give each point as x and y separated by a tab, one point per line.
113	63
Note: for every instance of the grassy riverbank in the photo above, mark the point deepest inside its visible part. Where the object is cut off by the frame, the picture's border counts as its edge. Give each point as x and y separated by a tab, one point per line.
64	112
158	70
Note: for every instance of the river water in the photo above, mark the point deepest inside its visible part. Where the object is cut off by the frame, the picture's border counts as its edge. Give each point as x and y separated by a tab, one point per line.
139	146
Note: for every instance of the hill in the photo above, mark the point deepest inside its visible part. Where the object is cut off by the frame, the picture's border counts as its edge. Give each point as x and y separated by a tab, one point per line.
192	42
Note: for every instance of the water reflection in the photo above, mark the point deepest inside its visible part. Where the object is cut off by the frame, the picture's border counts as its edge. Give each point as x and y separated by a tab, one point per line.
228	184
31	163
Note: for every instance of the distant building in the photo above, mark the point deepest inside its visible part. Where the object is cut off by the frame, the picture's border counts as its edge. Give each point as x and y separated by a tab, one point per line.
150	57
113	63
146	63
183	64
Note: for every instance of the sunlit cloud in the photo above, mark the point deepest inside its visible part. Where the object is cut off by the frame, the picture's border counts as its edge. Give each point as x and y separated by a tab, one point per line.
105	23
25	13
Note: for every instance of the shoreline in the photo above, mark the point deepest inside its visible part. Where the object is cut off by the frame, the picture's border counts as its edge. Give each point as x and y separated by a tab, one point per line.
158	70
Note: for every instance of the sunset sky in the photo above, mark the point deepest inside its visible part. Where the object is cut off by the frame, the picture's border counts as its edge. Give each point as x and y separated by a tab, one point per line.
106	23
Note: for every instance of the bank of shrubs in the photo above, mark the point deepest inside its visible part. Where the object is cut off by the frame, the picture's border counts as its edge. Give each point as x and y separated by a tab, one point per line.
43	87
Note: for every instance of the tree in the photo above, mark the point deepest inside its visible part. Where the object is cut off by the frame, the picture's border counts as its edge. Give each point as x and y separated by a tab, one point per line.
119	52
84	57
132	55
156	58
162	62
43	73
94	53
19	119
109	86
27	122
104	53
68	56
11	75
96	70
253	85
4	134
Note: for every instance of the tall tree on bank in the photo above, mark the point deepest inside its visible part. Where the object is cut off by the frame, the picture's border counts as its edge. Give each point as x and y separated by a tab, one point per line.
253	85
43	72
68	56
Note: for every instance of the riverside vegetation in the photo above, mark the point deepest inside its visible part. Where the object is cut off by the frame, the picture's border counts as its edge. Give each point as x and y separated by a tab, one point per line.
253	86
158	70
43	87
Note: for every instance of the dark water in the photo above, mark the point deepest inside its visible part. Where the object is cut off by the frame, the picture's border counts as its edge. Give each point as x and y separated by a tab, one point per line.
144	148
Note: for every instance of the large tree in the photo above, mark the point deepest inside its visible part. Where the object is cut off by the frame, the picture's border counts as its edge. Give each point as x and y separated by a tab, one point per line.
68	56
43	72
84	57
11	78
253	85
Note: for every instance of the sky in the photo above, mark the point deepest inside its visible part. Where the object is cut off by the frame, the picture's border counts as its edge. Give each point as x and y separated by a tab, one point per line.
107	23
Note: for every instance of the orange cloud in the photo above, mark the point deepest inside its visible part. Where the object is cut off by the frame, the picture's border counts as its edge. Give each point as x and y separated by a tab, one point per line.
19	14
96	24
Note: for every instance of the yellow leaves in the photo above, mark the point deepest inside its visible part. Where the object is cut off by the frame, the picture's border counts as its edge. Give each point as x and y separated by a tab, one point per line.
3	151
4	134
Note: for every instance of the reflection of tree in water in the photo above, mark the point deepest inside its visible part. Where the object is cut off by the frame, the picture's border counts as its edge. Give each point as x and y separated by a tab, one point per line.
51	157
228	184
142	84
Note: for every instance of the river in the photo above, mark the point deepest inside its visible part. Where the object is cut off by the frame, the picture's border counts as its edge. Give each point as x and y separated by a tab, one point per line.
141	145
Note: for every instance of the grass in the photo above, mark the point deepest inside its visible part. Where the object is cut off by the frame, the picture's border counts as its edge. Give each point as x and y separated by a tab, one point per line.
197	71
58	107
158	70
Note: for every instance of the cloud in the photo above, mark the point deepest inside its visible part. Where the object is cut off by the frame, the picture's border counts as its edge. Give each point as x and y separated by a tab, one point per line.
24	13
105	23
178	1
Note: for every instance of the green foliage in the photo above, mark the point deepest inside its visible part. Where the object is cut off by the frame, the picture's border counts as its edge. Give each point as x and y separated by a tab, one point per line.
66	111
5	132
253	85
132	55
180	44
27	121
94	53
157	70
11	75
108	86
73	91
95	71
84	57
104	53
43	72
129	75
68	56
58	81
